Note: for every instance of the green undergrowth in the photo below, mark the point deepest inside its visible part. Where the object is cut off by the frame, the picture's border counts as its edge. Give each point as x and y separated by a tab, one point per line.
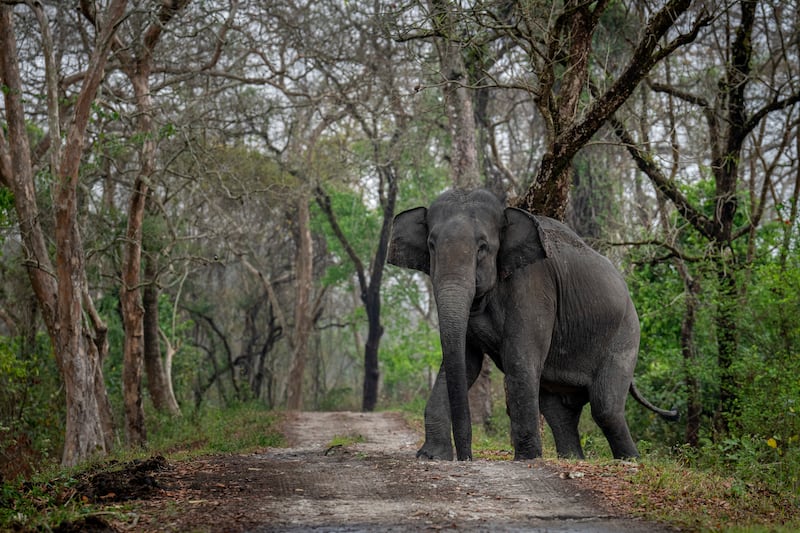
665	489
345	440
240	429
52	496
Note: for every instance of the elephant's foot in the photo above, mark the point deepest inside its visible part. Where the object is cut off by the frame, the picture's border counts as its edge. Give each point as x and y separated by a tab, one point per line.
571	454
527	456
433	452
527	449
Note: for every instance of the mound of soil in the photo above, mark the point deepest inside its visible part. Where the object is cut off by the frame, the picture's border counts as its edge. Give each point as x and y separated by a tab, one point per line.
134	480
89	524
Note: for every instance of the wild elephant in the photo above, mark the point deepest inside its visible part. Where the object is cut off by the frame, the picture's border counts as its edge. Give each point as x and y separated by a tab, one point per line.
554	315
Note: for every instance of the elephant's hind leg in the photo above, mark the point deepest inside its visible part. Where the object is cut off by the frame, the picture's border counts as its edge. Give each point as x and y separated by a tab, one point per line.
608	411
562	414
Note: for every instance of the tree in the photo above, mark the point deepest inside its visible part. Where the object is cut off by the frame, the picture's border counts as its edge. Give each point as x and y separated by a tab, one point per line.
728	123
62	291
464	164
369	291
137	64
303	316
385	149
567	48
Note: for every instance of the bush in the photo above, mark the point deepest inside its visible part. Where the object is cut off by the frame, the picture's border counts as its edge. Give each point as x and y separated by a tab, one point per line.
31	406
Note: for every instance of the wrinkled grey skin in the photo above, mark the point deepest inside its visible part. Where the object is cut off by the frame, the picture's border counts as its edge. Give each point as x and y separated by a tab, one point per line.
554	315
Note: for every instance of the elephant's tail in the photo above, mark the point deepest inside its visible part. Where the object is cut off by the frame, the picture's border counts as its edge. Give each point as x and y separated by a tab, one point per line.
672	415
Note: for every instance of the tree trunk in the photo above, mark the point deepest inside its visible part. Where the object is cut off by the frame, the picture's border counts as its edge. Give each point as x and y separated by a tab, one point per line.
130	292
138	66
464	168
168	357
372	303
274	333
371	293
100	348
74	344
726	326
77	344
726	176
480	395
302	310
133	319
694	400
157	383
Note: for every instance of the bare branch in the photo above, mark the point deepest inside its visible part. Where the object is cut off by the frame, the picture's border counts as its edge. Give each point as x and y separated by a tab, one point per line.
674	252
644	161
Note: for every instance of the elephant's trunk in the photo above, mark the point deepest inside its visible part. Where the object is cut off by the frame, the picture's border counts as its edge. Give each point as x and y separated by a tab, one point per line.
453	301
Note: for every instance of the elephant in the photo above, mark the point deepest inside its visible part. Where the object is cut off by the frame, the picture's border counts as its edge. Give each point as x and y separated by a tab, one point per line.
554	315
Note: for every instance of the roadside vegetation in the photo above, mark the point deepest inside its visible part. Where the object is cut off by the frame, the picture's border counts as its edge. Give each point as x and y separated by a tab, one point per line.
731	491
55	495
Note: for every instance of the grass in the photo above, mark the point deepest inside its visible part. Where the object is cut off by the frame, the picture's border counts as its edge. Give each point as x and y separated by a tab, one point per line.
49	497
345	440
241	428
664	489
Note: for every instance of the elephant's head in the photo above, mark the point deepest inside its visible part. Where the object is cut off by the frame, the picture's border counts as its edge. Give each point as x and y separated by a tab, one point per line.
466	242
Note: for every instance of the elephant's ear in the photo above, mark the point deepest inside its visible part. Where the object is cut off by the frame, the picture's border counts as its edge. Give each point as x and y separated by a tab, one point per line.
409	245
521	243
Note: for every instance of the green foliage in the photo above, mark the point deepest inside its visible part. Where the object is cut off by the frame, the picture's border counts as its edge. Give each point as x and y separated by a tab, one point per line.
766	446
360	225
658	295
187	362
31	406
345	440
411	350
706	500
424	183
6	208
762	444
774	297
339	398
410	361
236	428
39	504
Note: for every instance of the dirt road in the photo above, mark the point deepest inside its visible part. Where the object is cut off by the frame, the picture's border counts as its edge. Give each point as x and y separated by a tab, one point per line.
374	485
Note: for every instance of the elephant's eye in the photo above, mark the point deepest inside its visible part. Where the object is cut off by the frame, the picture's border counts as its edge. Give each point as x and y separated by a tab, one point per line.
483	250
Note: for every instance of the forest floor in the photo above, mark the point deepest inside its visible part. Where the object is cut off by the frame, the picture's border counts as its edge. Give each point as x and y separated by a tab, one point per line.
348	472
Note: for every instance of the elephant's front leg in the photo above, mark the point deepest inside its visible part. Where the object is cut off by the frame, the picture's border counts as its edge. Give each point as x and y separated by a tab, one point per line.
522	400
526	341
438	426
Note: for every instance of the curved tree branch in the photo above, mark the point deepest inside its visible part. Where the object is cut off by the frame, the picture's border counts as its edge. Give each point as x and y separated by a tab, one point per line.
644	160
